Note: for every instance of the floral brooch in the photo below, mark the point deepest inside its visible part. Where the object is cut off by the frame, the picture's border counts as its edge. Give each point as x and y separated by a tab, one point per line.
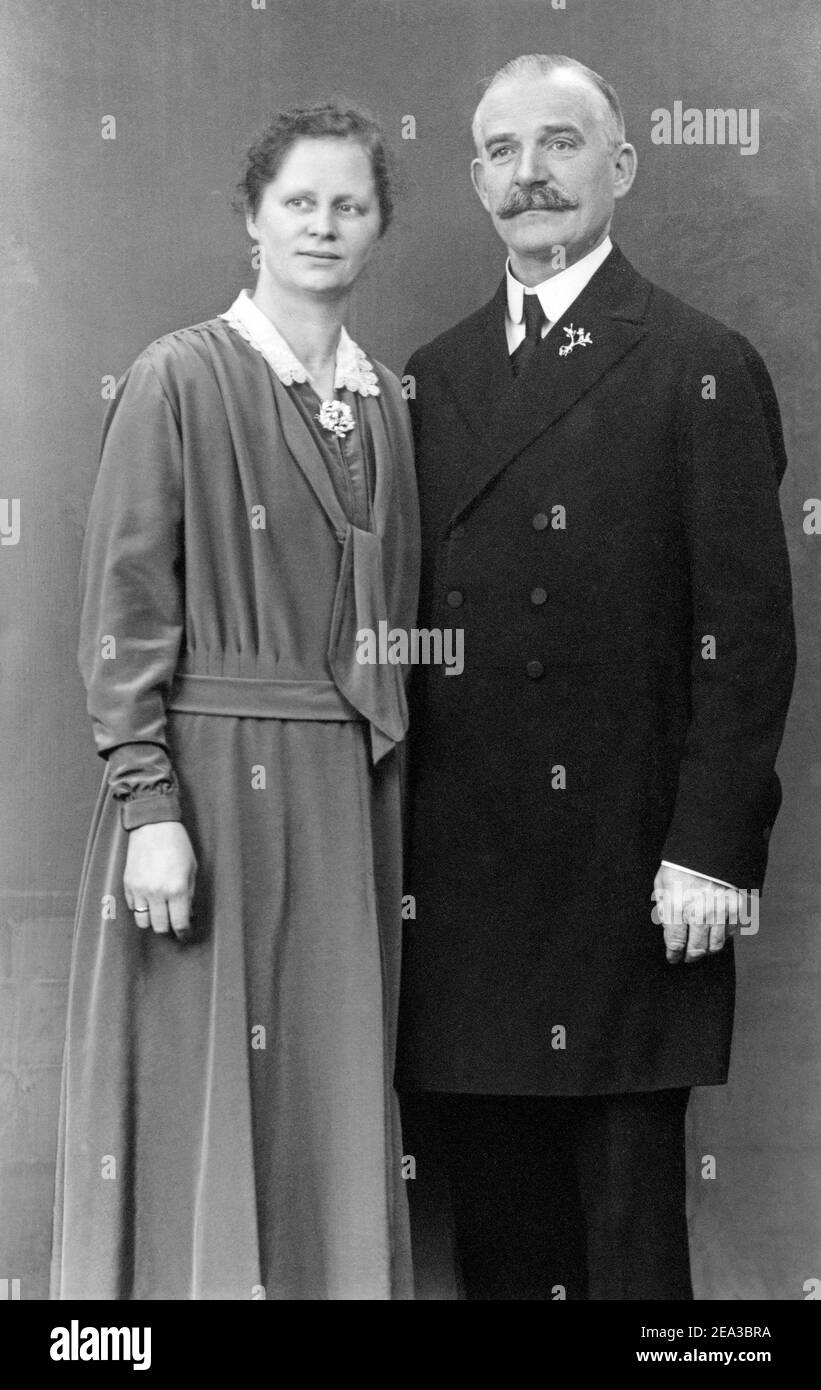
337	417
578	338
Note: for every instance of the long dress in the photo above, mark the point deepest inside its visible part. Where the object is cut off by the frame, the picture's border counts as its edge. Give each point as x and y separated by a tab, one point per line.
228	1127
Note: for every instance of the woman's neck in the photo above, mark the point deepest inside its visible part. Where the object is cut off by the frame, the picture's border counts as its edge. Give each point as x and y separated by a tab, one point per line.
309	326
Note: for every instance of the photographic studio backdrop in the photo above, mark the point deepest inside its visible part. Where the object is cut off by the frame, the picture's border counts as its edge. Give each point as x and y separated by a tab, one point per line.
108	242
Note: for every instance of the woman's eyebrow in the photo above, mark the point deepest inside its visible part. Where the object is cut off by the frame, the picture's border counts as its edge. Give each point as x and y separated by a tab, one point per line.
312	193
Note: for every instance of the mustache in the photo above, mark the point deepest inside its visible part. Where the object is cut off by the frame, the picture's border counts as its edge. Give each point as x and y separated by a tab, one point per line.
535	199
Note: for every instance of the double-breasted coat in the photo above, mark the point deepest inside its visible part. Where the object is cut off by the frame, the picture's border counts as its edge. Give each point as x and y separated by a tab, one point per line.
606	531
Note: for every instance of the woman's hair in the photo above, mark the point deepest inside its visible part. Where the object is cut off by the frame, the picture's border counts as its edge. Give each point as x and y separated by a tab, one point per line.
320	121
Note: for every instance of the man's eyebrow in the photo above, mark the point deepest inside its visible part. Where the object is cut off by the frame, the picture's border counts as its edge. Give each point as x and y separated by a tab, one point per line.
554	128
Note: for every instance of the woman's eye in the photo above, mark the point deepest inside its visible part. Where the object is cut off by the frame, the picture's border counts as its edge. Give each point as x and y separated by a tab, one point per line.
565	144
348	207
297	202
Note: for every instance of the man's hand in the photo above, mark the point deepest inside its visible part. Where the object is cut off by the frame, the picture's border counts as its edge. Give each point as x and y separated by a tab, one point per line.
160	870
694	913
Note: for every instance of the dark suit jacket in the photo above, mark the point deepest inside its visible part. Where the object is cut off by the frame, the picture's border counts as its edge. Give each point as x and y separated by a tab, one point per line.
589	525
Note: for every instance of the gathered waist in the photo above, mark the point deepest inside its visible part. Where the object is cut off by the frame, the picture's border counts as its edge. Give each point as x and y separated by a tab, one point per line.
259	698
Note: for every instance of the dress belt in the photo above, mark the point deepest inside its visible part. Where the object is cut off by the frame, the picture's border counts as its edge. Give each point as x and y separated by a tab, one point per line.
259	699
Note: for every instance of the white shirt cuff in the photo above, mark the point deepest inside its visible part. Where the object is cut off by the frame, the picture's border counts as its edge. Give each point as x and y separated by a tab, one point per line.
694	874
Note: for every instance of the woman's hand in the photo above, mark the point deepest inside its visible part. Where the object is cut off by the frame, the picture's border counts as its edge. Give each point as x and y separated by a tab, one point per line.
160	870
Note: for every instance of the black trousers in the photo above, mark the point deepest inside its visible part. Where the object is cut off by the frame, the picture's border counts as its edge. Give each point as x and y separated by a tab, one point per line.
559	1197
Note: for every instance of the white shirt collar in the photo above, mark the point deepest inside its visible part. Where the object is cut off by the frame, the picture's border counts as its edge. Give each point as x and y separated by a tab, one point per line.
556	294
353	369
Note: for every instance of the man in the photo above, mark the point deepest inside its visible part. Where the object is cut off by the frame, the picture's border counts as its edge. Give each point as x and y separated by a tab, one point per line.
599	468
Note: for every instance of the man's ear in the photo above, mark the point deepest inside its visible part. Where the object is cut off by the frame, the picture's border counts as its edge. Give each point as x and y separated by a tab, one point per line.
625	173
477	178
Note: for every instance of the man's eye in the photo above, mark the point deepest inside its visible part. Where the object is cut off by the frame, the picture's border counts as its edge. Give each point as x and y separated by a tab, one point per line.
565	144
500	150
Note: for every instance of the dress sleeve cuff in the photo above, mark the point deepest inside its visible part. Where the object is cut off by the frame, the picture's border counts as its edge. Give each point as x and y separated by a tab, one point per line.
143	784
150	809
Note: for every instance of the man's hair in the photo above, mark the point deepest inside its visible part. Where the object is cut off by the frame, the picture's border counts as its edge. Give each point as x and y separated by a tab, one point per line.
541	65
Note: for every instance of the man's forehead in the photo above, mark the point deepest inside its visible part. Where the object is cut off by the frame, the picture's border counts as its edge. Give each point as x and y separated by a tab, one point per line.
542	100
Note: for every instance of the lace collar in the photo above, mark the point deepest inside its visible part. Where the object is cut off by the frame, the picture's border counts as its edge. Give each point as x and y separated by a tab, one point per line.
353	370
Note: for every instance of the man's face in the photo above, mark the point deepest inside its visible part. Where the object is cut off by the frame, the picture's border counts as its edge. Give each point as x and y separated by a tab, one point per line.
547	173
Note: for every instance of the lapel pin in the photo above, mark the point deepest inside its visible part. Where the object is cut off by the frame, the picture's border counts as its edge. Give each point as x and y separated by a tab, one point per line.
578	338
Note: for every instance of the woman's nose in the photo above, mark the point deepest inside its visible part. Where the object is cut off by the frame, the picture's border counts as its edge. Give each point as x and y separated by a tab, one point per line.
322	222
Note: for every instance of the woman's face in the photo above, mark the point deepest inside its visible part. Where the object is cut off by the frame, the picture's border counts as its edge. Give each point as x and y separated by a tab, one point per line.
318	220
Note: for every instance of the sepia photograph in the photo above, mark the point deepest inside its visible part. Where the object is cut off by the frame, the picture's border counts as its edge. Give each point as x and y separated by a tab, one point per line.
411	559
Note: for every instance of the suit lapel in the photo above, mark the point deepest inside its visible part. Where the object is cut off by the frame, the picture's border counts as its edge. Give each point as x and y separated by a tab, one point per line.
507	414
479	369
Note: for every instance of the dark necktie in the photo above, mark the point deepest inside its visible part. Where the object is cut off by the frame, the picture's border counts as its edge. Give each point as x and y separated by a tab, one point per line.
534	320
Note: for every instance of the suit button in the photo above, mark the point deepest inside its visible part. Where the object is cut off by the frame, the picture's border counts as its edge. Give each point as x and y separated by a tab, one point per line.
457	532
455	598
538	596
539	521
535	670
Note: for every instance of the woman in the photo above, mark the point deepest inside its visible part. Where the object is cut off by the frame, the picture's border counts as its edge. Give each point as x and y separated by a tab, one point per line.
229	1128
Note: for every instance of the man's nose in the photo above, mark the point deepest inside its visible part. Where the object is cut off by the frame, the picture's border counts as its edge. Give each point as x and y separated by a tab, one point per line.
531	166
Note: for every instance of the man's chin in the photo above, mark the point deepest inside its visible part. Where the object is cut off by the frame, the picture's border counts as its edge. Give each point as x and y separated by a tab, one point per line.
530	233
539	248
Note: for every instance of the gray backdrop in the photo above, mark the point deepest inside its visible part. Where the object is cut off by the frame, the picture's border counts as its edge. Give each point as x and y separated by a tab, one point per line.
106	244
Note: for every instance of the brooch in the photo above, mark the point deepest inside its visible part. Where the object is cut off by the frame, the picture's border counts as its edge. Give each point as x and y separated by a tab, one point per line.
578	338
337	417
